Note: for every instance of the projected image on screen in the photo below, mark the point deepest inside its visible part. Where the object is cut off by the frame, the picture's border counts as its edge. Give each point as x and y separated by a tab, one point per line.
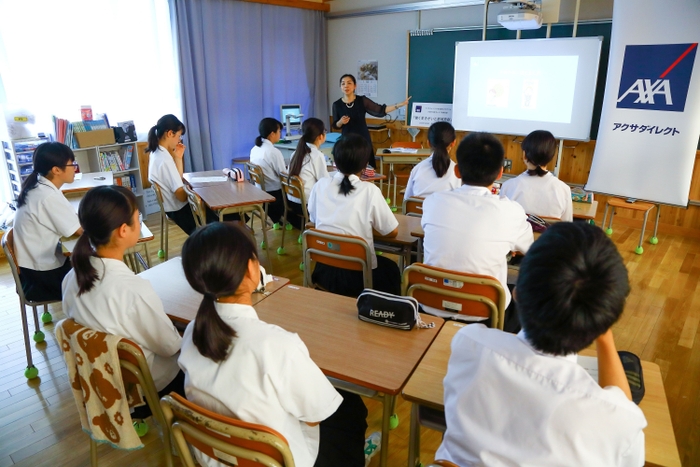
516	86
508	87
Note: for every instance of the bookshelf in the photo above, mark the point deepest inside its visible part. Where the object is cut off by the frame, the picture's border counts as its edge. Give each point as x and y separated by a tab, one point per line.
18	158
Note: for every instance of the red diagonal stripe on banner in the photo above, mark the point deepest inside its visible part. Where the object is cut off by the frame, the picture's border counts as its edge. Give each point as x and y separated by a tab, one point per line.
678	60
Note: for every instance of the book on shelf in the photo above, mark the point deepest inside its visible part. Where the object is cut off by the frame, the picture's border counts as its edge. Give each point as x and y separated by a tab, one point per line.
128	181
128	153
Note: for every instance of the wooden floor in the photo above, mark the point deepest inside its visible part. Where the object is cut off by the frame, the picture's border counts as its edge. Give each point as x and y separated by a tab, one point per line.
39	425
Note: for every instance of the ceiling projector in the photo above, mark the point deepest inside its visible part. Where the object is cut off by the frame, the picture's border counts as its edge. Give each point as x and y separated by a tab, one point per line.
524	16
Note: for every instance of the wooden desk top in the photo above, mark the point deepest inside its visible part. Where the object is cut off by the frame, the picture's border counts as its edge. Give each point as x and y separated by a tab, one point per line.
425	388
637	205
68	243
403	157
226	194
372	356
407	225
180	300
585	210
87	181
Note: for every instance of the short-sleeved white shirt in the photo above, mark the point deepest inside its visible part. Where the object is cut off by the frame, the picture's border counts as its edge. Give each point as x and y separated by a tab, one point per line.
267	378
123	304
542	196
471	230
163	171
423	180
356	214
271	161
40	223
313	169
509	404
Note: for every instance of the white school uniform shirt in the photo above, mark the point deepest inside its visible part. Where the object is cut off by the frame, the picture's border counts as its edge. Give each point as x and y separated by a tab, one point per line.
40	223
472	230
423	180
124	304
163	171
508	404
267	378
271	161
313	169
542	196
356	214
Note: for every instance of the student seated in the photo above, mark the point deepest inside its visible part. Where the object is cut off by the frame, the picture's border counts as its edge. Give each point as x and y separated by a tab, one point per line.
522	399
471	230
44	215
308	163
538	191
346	205
271	161
102	293
242	367
437	172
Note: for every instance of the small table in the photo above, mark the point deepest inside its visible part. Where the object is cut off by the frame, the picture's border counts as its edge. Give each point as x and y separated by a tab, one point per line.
87	181
633	205
404	241
425	388
398	157
180	300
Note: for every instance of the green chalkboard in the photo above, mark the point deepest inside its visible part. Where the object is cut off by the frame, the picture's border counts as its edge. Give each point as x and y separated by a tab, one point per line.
431	60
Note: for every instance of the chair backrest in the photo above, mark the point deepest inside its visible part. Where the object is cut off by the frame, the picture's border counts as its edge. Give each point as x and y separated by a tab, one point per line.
443	463
456	292
8	247
229	440
159	196
256	174
195	202
407	144
413	206
341	251
294	186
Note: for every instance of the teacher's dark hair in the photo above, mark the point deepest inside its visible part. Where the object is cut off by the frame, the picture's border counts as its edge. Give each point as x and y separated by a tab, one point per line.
571	288
266	126
351	154
103	210
347	75
311	129
165	124
46	157
440	136
215	260
480	159
539	147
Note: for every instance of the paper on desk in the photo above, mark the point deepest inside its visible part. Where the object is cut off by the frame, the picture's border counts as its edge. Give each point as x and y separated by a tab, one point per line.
590	364
78	176
405	150
215	178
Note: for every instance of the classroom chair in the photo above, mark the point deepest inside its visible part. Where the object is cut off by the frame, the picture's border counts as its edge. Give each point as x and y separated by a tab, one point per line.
255	173
455	295
134	371
163	252
403	176
639	206
413	206
231	441
198	211
292	186
341	251
8	246
428	417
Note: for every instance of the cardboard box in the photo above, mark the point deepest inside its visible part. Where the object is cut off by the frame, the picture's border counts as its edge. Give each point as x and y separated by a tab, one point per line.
88	139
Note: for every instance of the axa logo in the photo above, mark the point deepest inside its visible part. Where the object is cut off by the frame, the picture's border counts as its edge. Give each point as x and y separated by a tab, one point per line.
656	77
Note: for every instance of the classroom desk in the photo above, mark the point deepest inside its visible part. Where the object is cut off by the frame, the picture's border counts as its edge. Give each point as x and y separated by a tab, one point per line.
425	388
287	150
87	181
180	300
404	242
398	158
332	170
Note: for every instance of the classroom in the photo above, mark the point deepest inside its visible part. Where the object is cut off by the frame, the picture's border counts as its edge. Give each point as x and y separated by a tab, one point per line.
220	67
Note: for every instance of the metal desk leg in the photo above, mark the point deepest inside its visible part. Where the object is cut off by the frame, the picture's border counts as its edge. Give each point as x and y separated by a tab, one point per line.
388	410
393	175
654	240
414	438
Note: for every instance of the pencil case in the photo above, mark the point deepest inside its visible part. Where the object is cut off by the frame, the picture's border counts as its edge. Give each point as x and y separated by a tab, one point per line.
633	370
389	310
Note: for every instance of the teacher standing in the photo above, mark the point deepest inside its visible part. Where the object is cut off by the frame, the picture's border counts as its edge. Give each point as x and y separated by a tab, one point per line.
349	111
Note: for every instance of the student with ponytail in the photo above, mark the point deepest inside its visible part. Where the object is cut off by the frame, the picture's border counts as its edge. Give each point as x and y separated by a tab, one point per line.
237	365
346	205
44	215
271	161
102	293
537	190
308	163
437	172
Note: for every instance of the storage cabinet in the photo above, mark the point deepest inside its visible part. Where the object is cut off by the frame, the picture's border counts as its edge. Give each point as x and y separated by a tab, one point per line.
18	157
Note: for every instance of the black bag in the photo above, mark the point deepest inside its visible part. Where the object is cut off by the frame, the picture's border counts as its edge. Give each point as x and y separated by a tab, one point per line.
538	224
389	310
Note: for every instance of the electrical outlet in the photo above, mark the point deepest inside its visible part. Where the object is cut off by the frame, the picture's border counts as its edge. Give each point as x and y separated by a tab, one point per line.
507	165
402	113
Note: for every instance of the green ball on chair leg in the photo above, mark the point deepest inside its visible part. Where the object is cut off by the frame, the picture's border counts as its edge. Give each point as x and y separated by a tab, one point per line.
299	240
161	254
46	317
276	226
289	226
263	245
281	251
608	231
301	266
31	372
393	421
639	250
653	240
38	337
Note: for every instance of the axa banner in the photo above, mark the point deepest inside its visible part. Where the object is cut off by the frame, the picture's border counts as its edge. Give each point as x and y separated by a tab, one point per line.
650	123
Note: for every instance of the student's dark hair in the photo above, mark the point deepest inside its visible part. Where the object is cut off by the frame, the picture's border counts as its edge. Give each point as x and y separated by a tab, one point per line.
480	159
102	210
441	135
46	157
266	126
540	147
311	129
571	288
351	154
165	124
215	260
347	75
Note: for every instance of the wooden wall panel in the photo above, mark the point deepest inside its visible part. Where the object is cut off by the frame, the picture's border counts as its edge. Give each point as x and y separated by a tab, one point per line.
143	163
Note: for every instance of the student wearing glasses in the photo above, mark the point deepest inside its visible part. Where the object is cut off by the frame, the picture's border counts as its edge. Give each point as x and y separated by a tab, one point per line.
44	215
